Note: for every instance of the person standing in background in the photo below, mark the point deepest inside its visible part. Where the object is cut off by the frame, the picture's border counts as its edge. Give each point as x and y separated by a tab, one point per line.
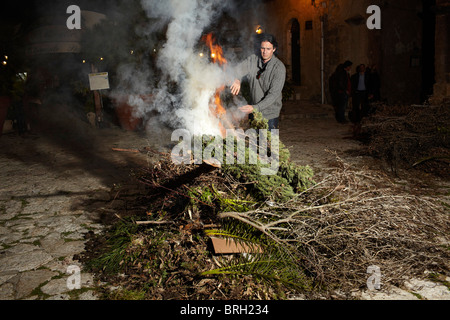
344	89
361	92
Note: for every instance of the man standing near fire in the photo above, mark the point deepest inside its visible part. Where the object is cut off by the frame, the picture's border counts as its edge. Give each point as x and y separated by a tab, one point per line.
266	75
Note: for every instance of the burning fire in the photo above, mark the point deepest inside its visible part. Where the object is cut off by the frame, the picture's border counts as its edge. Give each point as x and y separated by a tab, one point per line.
216	50
216	107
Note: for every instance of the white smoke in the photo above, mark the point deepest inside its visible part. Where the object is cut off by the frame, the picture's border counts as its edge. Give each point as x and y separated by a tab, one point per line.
196	79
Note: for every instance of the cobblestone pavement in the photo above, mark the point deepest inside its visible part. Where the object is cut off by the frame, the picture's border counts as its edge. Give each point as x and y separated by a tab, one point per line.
57	185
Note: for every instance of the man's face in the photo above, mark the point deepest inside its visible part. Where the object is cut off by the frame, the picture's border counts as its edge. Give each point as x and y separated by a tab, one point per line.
362	68
267	51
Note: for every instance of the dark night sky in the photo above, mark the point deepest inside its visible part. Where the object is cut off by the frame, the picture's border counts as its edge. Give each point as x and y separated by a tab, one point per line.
13	11
20	10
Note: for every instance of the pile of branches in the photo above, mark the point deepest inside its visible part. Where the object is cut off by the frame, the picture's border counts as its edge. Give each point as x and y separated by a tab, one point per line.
162	233
321	241
416	136
323	238
352	220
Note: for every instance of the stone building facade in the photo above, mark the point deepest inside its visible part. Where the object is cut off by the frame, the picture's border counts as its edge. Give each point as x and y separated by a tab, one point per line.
410	50
442	85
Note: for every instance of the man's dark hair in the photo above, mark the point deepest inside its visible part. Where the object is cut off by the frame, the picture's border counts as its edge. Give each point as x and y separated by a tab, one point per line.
348	64
269	38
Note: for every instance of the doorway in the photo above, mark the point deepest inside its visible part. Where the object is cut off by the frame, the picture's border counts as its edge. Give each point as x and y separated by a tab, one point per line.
295	54
428	45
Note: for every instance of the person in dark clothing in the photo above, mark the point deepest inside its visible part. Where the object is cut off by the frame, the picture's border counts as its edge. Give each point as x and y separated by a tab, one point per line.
343	90
332	83
375	83
361	92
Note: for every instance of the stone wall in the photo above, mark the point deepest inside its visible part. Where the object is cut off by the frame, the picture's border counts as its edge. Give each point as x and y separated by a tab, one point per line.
442	86
401	50
396	49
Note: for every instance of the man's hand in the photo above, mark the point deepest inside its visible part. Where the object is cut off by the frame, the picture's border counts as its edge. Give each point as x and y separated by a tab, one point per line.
236	87
246	109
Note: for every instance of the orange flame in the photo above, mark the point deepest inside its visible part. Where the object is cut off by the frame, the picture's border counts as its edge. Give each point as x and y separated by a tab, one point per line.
220	110
217	109
216	50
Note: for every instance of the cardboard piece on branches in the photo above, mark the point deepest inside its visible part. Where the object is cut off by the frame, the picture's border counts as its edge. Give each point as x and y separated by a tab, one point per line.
230	246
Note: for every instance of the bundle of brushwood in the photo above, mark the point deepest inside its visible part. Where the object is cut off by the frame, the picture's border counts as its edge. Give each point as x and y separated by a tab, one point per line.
301	236
181	201
416	136
235	183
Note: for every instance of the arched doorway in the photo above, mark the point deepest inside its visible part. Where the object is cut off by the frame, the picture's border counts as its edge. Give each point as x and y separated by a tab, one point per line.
295	54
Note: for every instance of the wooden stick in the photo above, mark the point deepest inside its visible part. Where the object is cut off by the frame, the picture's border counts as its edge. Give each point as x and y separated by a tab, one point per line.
144	150
126	150
153	222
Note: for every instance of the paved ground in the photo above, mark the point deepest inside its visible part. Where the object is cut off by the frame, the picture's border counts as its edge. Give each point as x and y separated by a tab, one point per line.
57	185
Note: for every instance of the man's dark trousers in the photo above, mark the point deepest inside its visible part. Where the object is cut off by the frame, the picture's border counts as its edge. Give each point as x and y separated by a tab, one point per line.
360	107
341	107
